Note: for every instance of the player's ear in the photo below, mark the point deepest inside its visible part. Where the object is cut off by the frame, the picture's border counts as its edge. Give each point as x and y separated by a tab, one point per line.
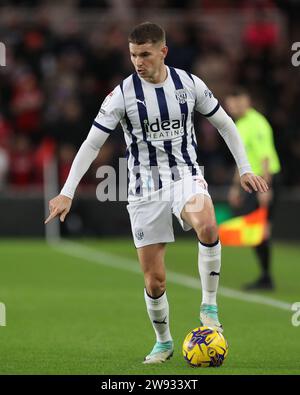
164	51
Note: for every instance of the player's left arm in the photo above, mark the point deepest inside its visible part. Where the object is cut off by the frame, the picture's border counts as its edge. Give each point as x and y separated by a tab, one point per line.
250	182
208	106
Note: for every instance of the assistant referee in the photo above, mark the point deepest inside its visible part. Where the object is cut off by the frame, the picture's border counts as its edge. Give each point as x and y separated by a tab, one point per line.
257	135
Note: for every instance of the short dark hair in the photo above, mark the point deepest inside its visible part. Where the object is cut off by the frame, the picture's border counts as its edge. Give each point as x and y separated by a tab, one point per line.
147	32
239	90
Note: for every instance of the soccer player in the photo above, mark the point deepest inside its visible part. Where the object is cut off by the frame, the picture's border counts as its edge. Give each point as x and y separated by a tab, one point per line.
257	136
155	106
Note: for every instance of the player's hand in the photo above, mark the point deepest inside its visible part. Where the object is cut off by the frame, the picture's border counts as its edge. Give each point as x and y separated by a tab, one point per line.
252	183
59	206
234	196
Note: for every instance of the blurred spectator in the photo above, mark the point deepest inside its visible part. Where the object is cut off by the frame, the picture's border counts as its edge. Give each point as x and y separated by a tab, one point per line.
70	128
4	165
21	162
5	132
26	105
23	3
262	32
66	155
42	156
182	51
93	3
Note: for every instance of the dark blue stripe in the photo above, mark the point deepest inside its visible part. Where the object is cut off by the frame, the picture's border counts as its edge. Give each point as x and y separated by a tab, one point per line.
102	127
194	144
134	152
191	77
213	111
162	103
184	111
139	93
164	115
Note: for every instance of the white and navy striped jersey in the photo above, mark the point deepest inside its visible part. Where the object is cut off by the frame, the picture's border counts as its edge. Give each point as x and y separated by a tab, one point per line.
157	120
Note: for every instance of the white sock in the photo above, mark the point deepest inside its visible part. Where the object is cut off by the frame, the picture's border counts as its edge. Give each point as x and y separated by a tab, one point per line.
158	311
209	265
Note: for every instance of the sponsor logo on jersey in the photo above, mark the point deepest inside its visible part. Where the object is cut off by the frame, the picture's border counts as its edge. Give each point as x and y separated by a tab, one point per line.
164	130
181	95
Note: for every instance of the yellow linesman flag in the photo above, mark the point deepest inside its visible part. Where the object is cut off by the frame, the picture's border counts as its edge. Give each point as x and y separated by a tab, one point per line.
247	230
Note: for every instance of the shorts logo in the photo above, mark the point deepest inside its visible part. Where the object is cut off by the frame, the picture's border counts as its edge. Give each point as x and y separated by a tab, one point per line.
181	95
139	234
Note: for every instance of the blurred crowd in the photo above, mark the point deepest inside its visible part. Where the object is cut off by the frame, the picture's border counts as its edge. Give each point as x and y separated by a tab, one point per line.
55	80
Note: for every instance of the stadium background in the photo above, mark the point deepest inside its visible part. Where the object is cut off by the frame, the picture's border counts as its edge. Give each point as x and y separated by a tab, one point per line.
62	58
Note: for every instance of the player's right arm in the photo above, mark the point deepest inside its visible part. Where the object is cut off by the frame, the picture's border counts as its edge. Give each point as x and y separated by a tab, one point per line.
111	111
61	204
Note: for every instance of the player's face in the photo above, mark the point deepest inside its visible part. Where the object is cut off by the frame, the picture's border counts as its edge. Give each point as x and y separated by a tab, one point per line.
148	59
237	105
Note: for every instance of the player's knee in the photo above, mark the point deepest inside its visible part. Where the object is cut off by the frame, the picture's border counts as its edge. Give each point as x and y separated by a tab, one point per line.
207	232
155	285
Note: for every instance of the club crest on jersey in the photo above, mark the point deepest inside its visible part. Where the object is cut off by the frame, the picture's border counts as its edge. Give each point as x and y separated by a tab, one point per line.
181	95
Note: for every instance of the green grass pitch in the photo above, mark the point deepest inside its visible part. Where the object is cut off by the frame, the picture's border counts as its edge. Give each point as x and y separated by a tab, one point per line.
71	314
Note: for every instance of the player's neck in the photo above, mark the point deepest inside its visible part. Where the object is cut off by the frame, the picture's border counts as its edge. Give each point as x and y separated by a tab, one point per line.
243	113
160	76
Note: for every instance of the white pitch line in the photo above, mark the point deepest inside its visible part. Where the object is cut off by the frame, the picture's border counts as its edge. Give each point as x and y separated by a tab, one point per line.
111	260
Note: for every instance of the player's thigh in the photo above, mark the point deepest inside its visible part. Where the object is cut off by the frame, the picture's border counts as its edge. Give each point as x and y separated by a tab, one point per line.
190	200
199	213
151	258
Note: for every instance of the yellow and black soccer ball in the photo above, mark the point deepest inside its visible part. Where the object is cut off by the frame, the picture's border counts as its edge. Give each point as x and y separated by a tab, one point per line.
204	347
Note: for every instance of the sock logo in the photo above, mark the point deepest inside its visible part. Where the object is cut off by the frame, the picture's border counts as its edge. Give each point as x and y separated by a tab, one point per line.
214	274
161	322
